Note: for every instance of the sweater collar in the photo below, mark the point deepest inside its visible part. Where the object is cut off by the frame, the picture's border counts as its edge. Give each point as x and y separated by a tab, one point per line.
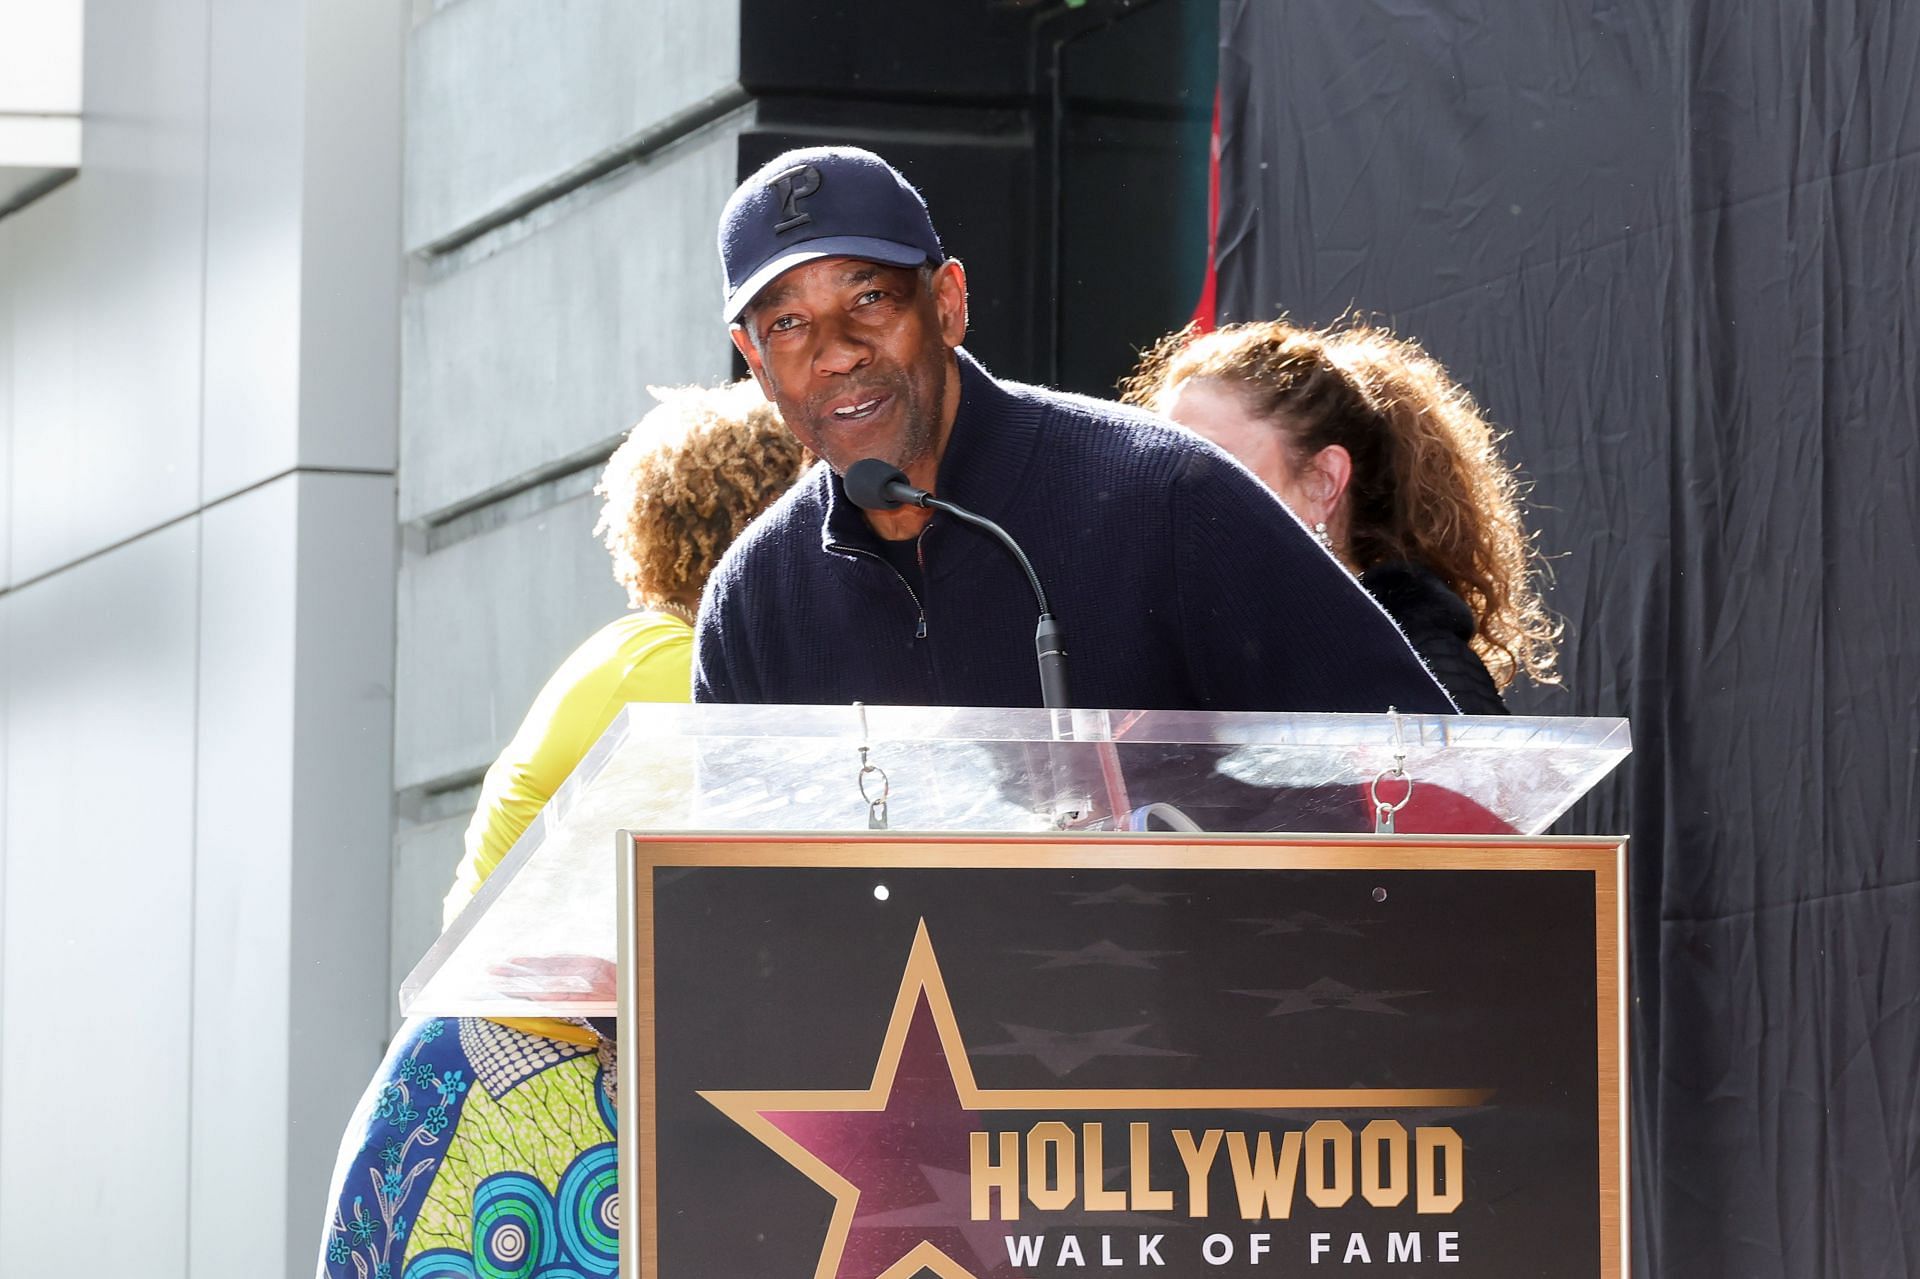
1417	599
983	469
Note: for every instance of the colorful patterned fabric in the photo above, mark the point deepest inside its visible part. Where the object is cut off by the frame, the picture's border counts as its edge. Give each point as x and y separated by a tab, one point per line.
479	1152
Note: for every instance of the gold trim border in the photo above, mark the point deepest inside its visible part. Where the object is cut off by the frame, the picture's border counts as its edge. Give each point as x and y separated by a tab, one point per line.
640	853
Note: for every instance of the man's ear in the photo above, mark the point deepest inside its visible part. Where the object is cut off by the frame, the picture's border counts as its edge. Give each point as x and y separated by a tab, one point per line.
950	301
743	343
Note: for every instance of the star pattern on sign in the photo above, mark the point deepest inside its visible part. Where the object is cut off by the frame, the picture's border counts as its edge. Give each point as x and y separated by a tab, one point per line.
1328	993
887	1153
1102	954
1065	1051
1306	921
1123	895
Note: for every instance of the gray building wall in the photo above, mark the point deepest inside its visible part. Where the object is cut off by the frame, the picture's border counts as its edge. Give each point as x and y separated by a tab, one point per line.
199	387
563	172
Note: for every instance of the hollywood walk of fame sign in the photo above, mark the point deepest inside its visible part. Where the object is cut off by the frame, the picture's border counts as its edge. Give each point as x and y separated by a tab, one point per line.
1419	1071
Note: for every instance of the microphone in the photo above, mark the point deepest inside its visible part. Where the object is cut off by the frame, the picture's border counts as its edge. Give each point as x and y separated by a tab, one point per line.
875	485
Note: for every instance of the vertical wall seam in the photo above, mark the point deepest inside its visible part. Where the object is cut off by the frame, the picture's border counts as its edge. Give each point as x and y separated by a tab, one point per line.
398	531
193	842
292	1221
6	696
6	720
199	632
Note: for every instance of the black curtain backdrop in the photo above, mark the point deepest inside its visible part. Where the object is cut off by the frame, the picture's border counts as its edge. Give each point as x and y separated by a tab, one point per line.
1671	246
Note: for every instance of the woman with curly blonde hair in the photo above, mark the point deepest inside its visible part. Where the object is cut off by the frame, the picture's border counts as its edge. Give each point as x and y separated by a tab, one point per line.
694	473
1390	463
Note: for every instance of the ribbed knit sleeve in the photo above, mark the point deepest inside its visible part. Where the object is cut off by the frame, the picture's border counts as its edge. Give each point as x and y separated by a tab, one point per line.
750	597
1272	622
717	676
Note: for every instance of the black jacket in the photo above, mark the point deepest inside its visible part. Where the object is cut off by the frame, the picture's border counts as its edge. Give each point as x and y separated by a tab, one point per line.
1439	625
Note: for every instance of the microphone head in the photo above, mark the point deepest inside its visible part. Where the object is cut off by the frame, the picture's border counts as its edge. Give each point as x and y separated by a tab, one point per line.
874	485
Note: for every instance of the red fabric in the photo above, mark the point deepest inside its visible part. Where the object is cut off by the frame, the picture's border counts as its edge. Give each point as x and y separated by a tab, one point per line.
1435	810
1206	312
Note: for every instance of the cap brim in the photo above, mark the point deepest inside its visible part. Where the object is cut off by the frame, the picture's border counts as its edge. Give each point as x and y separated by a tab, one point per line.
866	248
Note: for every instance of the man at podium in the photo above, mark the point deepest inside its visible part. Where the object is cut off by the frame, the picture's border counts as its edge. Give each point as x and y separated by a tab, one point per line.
1175	578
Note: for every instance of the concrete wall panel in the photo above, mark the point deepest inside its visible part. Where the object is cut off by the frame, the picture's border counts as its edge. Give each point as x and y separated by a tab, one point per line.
505	96
242	908
195	656
424	859
342	827
303	240
293	803
352	268
107	299
253	244
7	272
547	346
483	623
7	663
96	971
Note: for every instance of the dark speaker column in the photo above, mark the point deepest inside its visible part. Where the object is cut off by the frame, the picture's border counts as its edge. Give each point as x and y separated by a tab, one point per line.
1062	150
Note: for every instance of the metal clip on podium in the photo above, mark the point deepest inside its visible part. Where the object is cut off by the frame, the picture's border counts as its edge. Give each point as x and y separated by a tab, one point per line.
1079	981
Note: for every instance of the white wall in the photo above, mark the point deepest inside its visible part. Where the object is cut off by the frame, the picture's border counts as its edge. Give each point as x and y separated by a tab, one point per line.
96	974
269	285
199	344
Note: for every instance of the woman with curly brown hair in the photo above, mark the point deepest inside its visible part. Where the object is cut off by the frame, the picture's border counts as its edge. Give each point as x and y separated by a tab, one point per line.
487	1146
1365	437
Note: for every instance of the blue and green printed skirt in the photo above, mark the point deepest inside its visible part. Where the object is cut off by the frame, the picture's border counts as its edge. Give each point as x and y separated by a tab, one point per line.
481	1152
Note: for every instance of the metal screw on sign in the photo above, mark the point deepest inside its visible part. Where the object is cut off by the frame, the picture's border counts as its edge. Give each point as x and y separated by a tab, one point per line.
876	804
1382	810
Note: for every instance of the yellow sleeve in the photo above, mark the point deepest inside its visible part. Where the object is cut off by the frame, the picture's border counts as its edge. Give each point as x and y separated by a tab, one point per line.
643	657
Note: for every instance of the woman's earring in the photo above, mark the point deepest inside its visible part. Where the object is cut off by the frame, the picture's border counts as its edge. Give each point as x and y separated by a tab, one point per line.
1321	536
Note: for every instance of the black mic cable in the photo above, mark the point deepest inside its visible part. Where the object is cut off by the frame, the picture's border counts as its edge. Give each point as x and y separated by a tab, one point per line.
875	485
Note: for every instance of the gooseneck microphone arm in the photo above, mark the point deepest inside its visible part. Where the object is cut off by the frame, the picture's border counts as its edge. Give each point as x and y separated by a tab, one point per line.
1006	540
875	486
1048	645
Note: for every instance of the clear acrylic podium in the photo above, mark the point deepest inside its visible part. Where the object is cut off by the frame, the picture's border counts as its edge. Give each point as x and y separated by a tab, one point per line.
740	769
634	890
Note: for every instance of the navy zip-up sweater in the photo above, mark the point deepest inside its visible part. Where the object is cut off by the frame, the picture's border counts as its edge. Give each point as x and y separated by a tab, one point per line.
1179	582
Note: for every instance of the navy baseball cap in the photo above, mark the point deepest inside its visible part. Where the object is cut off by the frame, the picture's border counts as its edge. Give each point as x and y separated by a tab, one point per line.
820	202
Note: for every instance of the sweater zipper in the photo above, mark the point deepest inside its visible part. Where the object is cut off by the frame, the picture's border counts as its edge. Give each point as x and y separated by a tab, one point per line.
920	621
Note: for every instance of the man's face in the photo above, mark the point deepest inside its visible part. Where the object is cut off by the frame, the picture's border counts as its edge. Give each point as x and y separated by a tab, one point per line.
858	356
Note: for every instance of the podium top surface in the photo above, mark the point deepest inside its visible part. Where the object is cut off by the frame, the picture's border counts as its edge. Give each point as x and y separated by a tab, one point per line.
738	768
